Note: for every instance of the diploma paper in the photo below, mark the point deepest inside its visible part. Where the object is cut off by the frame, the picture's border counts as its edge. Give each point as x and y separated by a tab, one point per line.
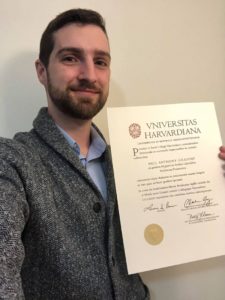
170	183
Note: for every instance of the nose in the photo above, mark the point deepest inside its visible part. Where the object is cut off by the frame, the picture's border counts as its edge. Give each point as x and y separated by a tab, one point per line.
87	71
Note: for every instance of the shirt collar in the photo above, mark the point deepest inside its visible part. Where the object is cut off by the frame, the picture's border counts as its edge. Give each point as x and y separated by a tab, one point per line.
97	146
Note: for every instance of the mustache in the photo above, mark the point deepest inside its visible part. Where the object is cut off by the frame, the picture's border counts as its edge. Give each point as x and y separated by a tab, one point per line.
85	85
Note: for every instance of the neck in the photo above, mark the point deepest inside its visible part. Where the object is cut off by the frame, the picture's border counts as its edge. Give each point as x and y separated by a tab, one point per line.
78	130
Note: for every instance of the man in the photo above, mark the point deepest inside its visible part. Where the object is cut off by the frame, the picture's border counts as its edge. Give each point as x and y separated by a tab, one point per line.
60	235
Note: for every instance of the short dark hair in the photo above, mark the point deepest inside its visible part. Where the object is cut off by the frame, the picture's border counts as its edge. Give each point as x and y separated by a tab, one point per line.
80	16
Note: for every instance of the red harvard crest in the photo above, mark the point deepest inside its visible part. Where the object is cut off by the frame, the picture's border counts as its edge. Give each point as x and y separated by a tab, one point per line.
135	130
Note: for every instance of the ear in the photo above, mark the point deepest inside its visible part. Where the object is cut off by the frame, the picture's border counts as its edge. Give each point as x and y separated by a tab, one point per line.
41	72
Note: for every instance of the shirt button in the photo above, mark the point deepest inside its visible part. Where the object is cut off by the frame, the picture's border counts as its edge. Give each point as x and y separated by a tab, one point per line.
97	207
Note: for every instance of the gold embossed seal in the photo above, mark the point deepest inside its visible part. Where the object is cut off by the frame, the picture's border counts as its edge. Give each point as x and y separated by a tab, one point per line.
154	234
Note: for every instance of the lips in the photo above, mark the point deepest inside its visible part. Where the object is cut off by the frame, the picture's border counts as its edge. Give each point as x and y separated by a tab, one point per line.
86	91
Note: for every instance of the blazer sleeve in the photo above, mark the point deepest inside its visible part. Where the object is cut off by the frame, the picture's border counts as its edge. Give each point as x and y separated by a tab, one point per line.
13	214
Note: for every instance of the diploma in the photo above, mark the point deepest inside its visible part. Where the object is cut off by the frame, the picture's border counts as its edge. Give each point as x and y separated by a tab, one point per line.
170	183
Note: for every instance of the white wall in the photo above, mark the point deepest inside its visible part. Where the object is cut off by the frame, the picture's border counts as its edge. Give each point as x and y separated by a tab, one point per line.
164	51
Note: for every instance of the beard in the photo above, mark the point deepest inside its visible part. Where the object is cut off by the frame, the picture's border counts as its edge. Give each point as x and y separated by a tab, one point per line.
83	108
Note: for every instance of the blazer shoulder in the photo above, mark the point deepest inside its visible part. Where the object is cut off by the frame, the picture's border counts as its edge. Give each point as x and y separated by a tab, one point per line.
13	150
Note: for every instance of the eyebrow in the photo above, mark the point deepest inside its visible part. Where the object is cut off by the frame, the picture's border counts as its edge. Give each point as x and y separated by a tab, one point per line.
81	51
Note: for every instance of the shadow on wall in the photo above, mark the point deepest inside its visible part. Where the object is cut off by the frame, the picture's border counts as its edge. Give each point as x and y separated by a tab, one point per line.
21	92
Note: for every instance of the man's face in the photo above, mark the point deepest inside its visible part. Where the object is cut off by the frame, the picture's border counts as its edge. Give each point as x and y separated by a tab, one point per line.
77	77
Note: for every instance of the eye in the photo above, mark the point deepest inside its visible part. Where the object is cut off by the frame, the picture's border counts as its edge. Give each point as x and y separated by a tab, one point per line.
70	59
102	63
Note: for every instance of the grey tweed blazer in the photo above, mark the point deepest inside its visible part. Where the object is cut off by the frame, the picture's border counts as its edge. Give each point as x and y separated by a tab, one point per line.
57	238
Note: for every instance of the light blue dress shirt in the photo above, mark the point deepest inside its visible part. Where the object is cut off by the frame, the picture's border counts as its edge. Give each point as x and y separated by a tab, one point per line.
93	163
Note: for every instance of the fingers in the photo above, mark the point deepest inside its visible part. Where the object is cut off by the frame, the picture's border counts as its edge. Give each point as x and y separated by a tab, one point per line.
222	152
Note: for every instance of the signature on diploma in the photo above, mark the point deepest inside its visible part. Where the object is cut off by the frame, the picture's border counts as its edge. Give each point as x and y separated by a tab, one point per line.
199	216
193	203
160	207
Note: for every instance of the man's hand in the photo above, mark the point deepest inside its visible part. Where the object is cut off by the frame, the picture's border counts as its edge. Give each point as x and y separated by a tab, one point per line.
222	152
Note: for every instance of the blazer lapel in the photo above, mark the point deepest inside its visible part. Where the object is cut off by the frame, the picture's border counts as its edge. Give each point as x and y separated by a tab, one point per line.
47	130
